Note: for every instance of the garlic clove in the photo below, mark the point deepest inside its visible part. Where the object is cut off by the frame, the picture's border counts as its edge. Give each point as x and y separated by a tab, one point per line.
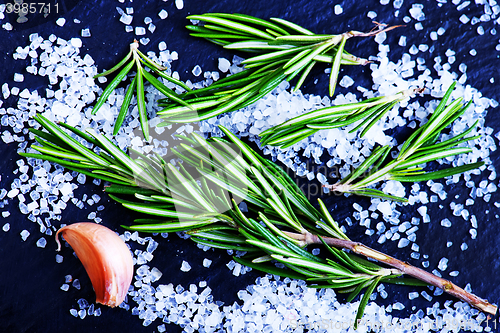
106	259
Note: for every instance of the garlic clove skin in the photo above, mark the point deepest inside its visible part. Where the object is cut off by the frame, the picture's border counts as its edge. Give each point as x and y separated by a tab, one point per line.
106	259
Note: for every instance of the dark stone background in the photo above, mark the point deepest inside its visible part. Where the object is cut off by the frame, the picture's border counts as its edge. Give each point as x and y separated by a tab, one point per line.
30	298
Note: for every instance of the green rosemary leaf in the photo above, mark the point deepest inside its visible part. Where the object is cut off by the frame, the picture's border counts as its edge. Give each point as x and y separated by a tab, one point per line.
311	265
111	175
51	138
301	252
356	291
171	79
360	262
339	283
233	25
334	74
61	154
297	57
191	188
76	146
178	110
346	259
268	248
304	75
221	236
168	227
377	116
223	246
126	103
164	90
141	102
218	35
81	134
251	19
438	174
272	225
431	156
271	269
305	60
316	38
364	300
272	239
271	56
148	62
406	282
374	193
127	190
116	67
441	107
371	160
111	86
178	202
292	26
62	162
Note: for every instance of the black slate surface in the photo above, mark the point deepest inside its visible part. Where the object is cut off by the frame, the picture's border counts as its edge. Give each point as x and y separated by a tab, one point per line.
30	298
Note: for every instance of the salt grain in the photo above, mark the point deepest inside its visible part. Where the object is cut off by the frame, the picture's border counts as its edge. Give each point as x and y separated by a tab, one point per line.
197	70
42	242
61	21
207	262
139	31
25	234
163	14
85	33
185	267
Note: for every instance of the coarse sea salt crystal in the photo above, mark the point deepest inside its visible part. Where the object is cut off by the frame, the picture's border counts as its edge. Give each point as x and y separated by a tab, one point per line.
163	14
337	9
185	266
61	21
139	31
224	65
207	262
42	242
197	70
6	227
25	234
179	4
346	81
76	42
126	19
85	32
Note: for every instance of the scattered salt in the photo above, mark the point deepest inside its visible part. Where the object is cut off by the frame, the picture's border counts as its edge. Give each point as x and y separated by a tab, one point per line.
338	9
85	32
61	21
42	242
185	267
163	14
25	234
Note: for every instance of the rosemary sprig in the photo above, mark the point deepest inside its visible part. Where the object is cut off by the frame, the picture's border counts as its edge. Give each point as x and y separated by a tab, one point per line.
279	40
137	58
279	225
367	112
420	148
284	51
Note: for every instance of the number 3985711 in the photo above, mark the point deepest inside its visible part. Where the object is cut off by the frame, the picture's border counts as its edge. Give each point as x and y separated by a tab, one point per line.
31	8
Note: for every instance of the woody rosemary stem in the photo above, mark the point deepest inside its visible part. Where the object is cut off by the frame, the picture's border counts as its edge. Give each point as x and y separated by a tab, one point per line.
405	268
